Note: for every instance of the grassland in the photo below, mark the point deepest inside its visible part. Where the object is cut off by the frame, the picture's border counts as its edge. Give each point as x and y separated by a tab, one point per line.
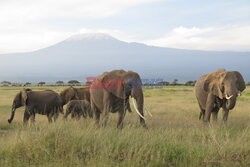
175	136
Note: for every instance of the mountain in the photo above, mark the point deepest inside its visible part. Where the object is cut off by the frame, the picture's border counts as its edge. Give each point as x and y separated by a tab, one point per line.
88	55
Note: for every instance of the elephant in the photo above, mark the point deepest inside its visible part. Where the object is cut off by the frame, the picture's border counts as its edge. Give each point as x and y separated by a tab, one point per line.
45	102
72	93
110	92
216	90
78	108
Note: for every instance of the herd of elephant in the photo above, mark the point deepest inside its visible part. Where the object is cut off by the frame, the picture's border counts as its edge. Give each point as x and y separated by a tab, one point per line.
215	90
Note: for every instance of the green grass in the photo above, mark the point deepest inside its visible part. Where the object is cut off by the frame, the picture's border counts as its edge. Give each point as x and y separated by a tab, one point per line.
175	136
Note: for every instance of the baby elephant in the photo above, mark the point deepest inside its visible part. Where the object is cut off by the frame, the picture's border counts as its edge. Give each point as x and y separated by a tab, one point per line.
78	108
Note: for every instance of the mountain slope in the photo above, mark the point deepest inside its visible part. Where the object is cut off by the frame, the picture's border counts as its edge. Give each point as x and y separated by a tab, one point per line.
89	55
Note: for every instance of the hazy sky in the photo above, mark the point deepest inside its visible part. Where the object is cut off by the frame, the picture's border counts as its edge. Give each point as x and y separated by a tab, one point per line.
27	25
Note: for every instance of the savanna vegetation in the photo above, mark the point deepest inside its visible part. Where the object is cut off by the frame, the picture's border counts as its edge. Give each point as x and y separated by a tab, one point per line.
175	136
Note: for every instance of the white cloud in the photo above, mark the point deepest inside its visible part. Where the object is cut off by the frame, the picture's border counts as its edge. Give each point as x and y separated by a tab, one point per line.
29	37
40	9
23	27
231	37
34	37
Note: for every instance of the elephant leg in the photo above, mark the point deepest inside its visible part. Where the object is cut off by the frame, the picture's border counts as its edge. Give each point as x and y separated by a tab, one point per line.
66	114
202	112
73	114
97	116
56	116
96	112
121	115
26	116
49	117
89	113
33	118
84	114
105	117
78	115
207	116
209	107
106	108
215	113
225	114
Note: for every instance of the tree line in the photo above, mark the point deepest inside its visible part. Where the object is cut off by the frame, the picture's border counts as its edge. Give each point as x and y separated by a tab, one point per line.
77	83
42	83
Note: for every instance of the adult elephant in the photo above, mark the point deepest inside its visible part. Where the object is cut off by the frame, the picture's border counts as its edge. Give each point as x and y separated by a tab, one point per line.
110	92
218	90
45	102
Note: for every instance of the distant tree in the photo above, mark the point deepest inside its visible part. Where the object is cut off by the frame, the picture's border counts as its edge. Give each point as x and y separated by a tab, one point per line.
190	83
74	82
248	83
41	83
6	83
16	84
164	83
27	84
59	83
175	82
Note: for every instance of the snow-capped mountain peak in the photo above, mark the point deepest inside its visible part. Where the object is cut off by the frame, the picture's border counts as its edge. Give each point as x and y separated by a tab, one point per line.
90	36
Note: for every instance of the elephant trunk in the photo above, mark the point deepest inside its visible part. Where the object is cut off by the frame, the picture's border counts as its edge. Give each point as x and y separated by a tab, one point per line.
12	115
230	103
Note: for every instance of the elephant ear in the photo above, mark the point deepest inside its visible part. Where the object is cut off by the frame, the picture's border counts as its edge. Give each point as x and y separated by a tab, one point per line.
115	83
134	83
24	96
240	83
212	83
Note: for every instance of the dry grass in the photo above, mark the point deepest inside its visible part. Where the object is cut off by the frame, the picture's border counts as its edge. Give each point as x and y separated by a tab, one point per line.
175	137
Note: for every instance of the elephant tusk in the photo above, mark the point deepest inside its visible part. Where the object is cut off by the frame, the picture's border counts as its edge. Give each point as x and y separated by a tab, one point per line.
148	110
137	109
229	97
239	93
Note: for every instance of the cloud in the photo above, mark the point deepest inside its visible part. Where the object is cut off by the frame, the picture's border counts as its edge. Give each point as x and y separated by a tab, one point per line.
29	37
34	37
24	26
230	37
40	9
23	23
